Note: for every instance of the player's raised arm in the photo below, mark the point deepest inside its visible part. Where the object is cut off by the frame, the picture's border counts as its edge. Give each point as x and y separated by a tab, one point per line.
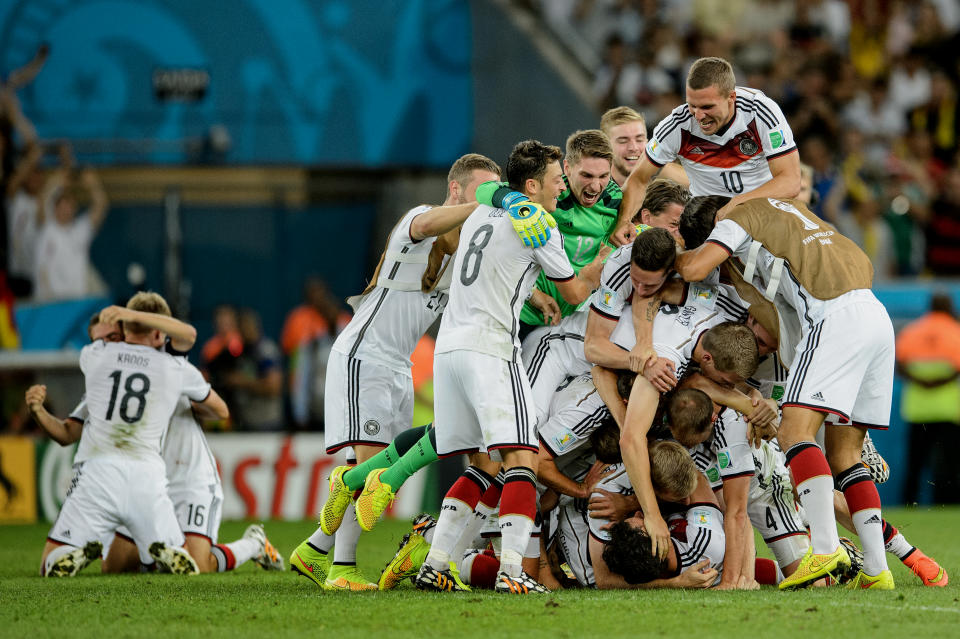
64	432
182	335
439	220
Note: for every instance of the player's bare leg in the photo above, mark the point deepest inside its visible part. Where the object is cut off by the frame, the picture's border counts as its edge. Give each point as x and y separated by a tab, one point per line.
814	485
122	557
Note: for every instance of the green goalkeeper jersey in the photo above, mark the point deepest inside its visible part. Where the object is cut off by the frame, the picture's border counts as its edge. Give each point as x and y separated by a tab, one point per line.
584	230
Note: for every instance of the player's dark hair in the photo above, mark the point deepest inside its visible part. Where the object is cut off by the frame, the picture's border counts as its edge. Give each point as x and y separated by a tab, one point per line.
654	250
529	160
605	441
733	347
697	219
629	554
661	193
712	72
625	383
690	412
941	303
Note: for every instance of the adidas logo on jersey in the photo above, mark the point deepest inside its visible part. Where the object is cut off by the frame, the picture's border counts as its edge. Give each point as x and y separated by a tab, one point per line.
696	151
66	533
817	396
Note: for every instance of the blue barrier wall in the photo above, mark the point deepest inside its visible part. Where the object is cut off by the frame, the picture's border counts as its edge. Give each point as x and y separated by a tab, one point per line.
362	82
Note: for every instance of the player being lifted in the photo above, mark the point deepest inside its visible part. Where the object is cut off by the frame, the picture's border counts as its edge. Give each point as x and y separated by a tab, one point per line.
730	140
837	341
483	400
132	390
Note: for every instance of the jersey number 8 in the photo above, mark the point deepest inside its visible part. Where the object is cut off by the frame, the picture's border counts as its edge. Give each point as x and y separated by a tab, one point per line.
469	275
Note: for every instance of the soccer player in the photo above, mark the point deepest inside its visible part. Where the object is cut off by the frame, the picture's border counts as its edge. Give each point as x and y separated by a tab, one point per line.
730	140
193	480
132	390
586	212
837	340
482	393
627	132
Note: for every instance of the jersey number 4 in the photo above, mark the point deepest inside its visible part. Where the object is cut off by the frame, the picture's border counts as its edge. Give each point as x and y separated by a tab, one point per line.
135	388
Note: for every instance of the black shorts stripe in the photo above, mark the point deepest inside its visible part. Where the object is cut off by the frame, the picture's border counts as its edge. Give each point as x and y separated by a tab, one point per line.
514	312
366	325
540	354
813	341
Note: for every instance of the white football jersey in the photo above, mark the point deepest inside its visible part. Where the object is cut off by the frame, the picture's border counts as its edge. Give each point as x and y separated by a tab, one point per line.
735	159
770	378
575	412
391	318
131	394
676	329
188	457
616	287
493	274
730	453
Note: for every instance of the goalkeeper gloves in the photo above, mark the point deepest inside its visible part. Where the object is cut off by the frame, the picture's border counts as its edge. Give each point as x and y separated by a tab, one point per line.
530	221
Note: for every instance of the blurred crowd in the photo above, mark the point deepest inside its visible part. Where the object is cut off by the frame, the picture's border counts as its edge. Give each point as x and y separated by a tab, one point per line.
869	87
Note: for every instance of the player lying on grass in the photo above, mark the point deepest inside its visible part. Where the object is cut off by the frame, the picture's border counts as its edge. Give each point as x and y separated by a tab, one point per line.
193	481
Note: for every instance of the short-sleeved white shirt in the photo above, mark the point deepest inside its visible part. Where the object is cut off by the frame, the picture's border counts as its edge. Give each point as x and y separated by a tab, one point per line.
131	393
616	287
493	274
389	320
23	232
676	329
734	160
63	259
576	410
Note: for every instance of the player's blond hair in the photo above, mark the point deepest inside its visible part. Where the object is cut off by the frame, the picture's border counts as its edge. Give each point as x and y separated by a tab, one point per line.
672	470
145	302
592	143
733	347
712	72
663	192
806	171
462	170
619	115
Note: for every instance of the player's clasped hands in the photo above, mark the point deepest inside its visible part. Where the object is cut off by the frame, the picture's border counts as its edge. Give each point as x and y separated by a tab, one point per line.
660	373
530	220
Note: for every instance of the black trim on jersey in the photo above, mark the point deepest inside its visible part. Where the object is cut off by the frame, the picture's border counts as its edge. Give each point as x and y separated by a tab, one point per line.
676	119
620	276
396	265
515	319
813	341
726	127
746	473
71	418
752	383
782	153
168	348
560	279
721	245
205	397
546	446
366	325
719	434
591	422
602	314
782	507
654	162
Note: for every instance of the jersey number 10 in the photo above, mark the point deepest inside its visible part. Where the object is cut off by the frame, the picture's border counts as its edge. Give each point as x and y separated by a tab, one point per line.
732	181
131	393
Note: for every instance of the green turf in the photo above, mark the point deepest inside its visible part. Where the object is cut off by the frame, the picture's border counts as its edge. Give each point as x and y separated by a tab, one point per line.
250	602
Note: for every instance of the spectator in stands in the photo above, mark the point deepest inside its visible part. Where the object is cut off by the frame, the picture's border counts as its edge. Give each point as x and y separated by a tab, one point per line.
256	382
63	248
221	353
928	357
943	230
308	333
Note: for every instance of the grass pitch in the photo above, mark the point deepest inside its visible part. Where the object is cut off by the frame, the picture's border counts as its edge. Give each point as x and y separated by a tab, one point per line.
250	602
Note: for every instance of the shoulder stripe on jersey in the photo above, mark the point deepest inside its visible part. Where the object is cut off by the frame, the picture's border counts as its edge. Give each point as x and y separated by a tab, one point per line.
591	422
767	111
746	473
366	325
720	432
666	131
759	110
560	279
679	113
619	276
652	161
